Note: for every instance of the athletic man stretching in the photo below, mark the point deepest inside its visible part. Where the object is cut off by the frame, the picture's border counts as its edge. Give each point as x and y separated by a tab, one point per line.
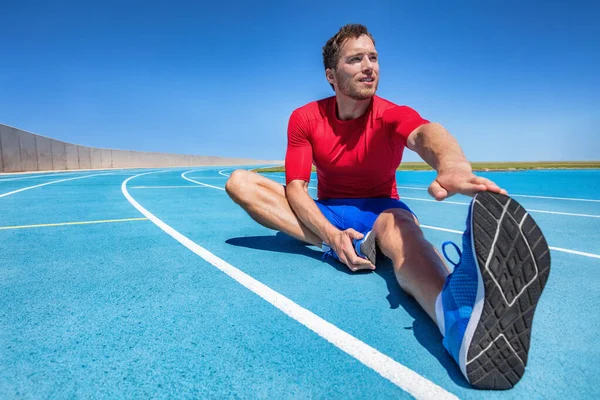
484	308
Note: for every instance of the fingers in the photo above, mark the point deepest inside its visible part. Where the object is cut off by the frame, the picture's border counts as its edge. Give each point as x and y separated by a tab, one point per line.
471	189
461	182
437	191
354	262
489	185
357	263
358	267
347	254
354	234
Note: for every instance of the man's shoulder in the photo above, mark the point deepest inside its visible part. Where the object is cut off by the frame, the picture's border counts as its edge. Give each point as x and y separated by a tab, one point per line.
390	111
315	109
381	106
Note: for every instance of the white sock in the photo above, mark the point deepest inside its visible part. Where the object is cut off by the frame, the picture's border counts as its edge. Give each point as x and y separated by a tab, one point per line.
439	314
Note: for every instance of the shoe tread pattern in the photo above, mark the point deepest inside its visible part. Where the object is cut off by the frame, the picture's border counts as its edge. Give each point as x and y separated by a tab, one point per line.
514	261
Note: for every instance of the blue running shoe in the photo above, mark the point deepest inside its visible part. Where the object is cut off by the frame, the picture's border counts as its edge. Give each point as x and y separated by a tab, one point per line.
365	248
486	307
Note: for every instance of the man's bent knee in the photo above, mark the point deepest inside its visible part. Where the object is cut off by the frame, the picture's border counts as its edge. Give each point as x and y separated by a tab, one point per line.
396	218
237	184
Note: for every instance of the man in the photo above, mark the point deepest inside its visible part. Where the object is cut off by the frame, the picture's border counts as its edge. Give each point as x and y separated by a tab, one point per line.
484	308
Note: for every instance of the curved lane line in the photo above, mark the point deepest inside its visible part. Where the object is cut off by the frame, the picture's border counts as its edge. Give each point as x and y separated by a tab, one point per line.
51	183
198	183
401	376
221	172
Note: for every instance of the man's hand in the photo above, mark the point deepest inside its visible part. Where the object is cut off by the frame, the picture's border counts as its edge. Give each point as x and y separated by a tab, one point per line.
341	243
460	179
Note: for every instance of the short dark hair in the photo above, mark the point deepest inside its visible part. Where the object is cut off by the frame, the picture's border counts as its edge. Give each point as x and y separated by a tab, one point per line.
331	50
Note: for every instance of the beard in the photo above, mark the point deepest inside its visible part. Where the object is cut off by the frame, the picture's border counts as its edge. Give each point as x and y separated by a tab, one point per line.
355	90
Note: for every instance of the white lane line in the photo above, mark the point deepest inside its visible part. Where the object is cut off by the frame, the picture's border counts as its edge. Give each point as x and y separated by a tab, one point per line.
221	172
528	210
580	253
216	178
564	213
52	175
167	187
411	188
518	195
403	377
105	221
51	183
510	194
437	228
554	198
466	204
199	183
563	250
435	201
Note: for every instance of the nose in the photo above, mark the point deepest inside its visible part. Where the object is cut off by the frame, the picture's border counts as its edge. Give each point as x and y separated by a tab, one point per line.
367	65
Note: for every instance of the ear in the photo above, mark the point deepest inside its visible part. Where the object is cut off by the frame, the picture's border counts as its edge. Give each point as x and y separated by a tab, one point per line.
330	75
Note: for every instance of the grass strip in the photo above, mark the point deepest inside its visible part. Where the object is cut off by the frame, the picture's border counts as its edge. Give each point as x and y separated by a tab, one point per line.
486	166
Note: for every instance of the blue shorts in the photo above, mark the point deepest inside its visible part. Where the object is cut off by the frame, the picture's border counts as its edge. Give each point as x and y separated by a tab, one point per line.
358	214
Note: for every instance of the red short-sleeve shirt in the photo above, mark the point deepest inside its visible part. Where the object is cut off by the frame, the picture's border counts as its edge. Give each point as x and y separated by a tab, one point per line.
354	159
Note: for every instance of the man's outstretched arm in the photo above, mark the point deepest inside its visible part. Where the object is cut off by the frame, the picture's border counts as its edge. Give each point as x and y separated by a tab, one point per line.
438	148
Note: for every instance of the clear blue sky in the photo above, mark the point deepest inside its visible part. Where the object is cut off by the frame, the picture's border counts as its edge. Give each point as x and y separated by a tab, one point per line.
512	80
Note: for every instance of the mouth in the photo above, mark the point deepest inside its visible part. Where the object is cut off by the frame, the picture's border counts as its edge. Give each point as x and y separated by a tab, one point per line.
368	80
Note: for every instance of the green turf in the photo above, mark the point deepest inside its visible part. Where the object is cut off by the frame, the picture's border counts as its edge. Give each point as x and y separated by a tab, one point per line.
487	166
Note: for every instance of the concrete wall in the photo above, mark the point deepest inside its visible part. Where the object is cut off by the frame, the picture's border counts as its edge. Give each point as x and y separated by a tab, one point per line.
44	153
22	151
11	150
28	149
72	156
59	155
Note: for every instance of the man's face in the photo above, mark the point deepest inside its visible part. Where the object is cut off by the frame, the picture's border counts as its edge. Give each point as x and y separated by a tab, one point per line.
357	71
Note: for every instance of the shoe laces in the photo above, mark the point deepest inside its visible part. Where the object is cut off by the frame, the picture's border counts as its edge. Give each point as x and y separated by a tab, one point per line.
446	255
327	251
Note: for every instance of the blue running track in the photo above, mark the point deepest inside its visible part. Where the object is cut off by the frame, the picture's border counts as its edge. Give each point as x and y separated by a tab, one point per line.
154	284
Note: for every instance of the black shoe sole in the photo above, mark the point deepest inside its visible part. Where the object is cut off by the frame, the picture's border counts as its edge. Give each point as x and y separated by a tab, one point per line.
514	263
369	248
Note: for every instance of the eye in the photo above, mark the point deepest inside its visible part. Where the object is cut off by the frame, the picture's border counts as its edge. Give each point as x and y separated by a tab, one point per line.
373	58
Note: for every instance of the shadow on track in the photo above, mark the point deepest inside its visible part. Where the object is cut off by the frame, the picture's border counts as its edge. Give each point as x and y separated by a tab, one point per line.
425	330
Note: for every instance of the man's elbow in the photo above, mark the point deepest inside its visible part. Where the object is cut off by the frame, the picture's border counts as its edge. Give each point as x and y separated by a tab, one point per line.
295	188
418	137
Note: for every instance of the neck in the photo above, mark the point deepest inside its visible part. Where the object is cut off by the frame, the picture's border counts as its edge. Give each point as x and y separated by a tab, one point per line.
349	108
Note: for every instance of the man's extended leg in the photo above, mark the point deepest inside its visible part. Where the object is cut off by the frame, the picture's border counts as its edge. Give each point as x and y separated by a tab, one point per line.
265	201
419	269
485	308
